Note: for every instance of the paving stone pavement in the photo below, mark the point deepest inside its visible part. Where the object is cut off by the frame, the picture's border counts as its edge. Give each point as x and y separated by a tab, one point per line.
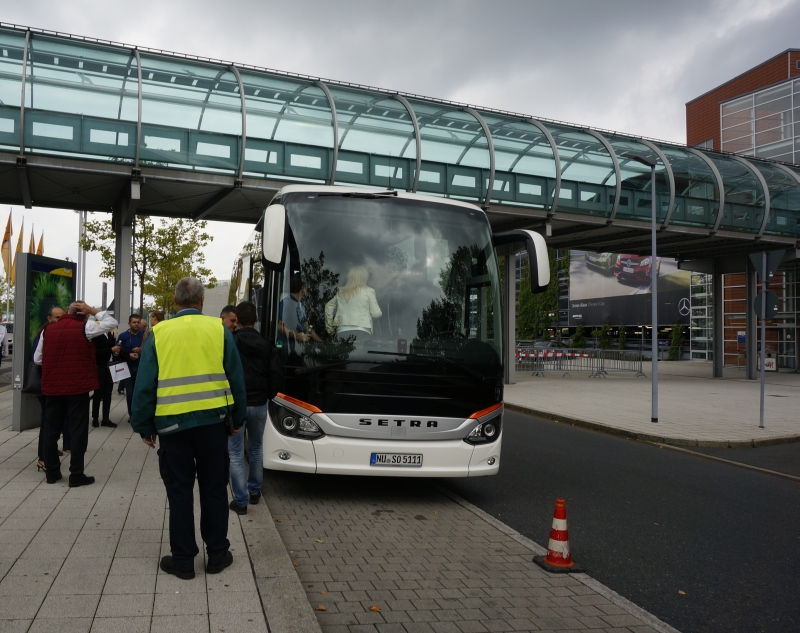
399	556
86	559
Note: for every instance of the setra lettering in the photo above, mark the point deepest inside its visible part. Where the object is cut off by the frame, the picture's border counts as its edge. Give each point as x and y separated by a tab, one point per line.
415	423
365	421
383	422
432	424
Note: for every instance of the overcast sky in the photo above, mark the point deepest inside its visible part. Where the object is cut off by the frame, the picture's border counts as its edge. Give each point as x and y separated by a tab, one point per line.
625	65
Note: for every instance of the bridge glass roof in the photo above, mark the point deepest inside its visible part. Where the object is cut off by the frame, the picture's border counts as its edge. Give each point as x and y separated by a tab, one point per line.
91	100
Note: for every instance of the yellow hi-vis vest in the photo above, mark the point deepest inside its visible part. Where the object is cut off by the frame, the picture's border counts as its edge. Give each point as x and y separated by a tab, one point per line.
191	376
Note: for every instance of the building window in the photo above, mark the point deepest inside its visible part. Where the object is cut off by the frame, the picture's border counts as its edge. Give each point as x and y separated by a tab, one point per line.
797	64
709	144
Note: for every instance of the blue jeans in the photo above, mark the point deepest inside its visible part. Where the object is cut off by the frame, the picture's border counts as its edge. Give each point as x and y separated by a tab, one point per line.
242	484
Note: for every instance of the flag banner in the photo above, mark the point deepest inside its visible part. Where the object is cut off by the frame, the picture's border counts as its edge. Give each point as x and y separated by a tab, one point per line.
6	249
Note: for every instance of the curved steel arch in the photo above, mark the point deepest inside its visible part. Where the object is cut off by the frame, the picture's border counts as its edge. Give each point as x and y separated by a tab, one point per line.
670	177
720	185
335	119
784	168
762	181
22	96
489	140
556	158
213	87
618	193
139	115
235	71
124	81
417	138
285	106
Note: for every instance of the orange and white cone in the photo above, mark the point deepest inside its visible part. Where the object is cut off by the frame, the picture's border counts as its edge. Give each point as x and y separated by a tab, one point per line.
558	559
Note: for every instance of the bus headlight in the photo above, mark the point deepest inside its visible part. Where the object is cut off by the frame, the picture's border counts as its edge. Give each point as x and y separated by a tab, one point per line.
485	432
293	424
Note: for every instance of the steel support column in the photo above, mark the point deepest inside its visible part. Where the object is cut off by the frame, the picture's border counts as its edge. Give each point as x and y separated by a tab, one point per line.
751	322
718	323
335	122
123	248
510	304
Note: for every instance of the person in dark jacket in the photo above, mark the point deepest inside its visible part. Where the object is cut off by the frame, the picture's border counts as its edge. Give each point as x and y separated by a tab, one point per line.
102	350
262	378
67	357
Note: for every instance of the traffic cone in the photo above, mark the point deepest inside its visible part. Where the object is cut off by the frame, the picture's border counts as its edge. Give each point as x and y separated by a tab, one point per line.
558	559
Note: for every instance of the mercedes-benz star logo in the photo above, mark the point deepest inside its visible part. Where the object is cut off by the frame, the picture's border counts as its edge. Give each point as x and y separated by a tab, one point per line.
683	306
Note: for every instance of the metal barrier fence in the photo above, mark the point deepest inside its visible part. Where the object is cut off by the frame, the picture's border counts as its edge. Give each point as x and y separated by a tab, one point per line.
598	362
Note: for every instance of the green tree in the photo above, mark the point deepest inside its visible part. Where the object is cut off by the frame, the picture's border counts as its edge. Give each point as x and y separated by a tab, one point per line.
622	337
321	284
160	252
579	338
180	245
535	310
676	339
603	336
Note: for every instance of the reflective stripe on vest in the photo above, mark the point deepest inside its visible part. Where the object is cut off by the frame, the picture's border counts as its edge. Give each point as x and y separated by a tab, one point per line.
191	376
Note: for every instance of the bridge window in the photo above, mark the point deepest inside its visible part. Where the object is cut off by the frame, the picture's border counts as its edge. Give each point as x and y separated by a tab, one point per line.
429	176
387	171
260	156
349	167
51	130
463	181
162	144
107	137
309	162
529	189
213	149
7	125
565	194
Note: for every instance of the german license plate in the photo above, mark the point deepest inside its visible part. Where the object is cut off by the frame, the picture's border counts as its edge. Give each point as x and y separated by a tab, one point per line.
395	459
627	270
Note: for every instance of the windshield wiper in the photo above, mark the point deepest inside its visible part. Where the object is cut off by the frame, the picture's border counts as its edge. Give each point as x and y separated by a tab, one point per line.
449	361
308	370
360	194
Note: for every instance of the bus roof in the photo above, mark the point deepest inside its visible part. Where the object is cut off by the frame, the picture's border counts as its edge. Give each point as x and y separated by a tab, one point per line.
400	194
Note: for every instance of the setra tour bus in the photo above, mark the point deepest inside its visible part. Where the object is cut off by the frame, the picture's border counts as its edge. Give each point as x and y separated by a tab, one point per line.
385	309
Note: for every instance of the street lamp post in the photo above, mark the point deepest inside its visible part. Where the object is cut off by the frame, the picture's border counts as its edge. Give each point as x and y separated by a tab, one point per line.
651	163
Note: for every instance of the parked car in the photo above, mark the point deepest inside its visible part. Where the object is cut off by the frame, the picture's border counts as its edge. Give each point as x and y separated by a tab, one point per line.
635	269
604	262
10	334
550	345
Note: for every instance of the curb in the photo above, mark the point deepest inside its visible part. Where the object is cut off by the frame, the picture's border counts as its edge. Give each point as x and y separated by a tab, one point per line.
283	599
623	603
731	462
647	437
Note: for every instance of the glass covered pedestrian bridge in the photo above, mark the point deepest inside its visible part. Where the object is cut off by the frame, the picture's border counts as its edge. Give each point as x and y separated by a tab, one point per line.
80	120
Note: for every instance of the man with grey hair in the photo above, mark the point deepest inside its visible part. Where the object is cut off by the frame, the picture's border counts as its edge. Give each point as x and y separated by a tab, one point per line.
190	378
67	357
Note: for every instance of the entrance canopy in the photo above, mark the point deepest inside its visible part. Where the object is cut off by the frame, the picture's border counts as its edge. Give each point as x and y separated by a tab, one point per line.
93	125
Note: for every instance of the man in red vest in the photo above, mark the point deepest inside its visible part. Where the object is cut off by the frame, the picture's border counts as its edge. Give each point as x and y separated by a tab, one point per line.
67	357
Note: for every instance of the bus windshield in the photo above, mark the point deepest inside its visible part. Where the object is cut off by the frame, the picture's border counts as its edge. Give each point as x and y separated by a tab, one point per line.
371	283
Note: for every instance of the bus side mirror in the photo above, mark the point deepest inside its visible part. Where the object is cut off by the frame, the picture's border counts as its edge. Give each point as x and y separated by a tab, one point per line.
538	260
274	236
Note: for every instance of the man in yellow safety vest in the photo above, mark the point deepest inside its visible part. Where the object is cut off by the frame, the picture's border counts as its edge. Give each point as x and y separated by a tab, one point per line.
190	377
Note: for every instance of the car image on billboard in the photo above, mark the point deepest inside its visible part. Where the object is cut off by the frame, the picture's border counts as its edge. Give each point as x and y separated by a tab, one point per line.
604	262
634	269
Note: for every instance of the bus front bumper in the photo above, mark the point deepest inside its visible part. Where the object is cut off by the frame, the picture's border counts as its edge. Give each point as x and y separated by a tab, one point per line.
349	456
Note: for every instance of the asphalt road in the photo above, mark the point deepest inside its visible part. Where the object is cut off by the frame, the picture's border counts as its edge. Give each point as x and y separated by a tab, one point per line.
651	523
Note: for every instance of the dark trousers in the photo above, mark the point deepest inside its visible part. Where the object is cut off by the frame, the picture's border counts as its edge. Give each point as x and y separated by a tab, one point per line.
202	450
129	384
42	433
55	410
102	393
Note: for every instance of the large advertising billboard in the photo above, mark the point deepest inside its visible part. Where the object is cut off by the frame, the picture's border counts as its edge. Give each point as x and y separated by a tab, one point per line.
617	289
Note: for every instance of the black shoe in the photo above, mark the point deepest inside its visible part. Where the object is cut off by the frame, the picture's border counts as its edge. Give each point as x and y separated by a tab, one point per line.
95	423
108	423
76	481
254	499
51	479
237	508
168	565
215	568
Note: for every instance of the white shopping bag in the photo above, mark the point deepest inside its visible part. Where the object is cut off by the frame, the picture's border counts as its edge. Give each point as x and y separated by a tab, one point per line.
119	371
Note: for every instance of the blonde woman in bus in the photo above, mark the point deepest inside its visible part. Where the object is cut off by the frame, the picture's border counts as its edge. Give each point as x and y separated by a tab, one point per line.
353	307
